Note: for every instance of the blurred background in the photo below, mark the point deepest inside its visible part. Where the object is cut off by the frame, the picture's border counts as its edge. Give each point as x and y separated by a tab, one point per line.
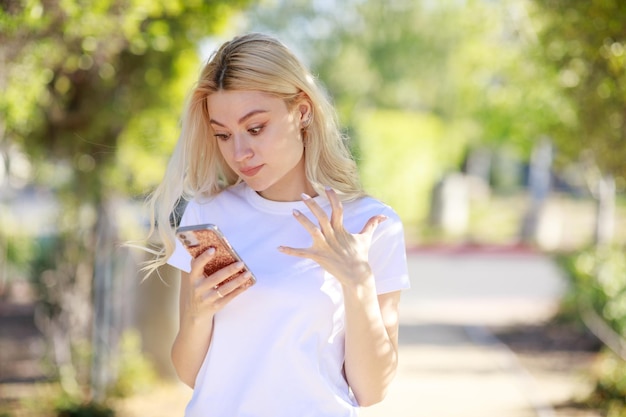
498	124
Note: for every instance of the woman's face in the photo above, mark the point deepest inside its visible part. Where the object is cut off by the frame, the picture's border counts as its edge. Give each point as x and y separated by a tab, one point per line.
260	139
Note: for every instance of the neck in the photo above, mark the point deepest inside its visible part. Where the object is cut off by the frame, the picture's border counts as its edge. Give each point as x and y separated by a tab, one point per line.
291	193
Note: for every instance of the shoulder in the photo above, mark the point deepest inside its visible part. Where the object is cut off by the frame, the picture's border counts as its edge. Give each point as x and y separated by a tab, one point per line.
201	207
387	254
370	206
357	212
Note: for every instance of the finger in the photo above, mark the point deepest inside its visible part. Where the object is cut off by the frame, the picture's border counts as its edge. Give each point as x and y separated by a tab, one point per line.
318	212
222	294
219	276
238	281
217	291
198	263
234	293
299	252
336	217
372	224
310	227
225	273
212	296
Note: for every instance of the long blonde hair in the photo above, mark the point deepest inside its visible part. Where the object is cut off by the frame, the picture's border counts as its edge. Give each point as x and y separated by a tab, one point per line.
252	62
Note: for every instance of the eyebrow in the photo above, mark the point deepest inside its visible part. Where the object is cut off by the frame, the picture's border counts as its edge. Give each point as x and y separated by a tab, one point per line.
242	119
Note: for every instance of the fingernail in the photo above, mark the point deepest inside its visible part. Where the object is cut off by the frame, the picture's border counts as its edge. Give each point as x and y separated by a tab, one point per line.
210	251
296	212
328	188
305	196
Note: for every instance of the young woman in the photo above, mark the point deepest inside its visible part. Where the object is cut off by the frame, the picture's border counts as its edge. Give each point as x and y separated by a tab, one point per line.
261	156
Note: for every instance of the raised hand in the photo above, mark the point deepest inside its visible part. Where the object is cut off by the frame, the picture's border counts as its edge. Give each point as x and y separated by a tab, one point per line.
340	253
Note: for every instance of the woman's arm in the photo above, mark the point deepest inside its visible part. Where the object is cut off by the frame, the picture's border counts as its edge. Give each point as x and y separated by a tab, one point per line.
371	320
193	338
199	300
371	342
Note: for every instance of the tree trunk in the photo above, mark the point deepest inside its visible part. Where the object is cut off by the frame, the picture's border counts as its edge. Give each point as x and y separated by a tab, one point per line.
105	318
539	183
605	212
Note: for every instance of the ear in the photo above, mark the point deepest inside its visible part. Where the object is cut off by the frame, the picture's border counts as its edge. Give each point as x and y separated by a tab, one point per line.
305	112
303	106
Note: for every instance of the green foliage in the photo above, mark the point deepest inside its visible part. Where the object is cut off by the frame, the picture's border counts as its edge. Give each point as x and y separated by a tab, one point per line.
78	76
467	62
55	402
89	409
599	279
406	153
135	372
92	91
610	389
584	42
19	251
460	73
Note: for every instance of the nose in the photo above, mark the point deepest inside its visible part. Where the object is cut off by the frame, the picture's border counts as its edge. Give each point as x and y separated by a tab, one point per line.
242	149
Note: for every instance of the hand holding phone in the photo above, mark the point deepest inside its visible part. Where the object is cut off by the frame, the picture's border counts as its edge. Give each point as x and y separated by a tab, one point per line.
199	238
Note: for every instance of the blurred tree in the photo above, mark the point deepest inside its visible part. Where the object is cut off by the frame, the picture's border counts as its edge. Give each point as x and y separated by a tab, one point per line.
92	90
465	64
385	66
584	42
371	53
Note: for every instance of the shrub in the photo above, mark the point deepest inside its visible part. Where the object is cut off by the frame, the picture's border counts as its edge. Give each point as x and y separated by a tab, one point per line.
599	289
88	409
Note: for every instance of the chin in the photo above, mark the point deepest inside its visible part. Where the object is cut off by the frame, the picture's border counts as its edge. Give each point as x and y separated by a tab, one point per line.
256	185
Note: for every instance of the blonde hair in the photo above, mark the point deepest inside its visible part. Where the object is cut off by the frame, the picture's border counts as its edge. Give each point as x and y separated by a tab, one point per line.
252	62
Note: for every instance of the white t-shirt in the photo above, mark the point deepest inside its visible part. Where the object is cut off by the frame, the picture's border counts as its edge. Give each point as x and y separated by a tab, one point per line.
278	348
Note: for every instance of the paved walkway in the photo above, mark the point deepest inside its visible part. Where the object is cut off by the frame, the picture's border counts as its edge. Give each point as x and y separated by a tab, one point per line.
451	365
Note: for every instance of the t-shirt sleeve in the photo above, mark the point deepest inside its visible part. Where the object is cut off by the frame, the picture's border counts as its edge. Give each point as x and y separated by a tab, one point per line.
180	258
387	255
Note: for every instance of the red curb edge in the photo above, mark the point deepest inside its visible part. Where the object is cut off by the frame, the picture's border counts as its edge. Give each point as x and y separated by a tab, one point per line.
473	249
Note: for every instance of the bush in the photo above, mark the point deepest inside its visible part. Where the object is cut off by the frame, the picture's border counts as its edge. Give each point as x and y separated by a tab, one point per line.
90	409
599	287
600	282
610	390
135	372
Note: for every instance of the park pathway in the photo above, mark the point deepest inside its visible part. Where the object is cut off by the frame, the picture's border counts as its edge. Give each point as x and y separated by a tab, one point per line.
452	363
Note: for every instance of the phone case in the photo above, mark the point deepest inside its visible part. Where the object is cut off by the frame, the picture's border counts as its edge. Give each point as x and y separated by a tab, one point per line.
197	239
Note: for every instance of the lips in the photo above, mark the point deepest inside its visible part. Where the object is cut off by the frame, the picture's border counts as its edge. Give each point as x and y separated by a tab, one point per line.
251	171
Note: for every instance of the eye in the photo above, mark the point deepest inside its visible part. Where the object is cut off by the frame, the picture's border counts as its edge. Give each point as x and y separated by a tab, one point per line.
221	136
254	131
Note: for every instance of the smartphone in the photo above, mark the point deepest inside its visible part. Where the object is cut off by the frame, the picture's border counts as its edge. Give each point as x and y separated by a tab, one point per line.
199	238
